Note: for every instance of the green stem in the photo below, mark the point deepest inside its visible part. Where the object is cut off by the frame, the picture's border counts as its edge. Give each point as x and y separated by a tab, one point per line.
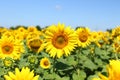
116	56
78	72
54	64
78	55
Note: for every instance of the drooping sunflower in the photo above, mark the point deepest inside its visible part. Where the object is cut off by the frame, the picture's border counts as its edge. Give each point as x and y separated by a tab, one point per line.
84	37
24	74
59	40
35	44
9	47
45	63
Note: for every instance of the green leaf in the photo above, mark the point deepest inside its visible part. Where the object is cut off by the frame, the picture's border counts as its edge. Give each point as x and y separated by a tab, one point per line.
98	61
49	77
1	78
89	64
76	77
86	51
39	70
61	66
64	78
104	68
80	76
1	62
71	61
44	54
2	71
92	76
23	63
98	51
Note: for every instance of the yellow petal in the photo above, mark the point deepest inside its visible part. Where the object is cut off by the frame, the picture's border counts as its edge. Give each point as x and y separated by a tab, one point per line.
7	77
12	75
36	77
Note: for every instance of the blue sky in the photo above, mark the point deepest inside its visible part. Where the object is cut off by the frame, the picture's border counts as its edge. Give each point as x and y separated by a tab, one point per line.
95	14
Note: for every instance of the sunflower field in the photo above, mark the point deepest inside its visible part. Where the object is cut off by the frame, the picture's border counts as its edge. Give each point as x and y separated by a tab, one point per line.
58	52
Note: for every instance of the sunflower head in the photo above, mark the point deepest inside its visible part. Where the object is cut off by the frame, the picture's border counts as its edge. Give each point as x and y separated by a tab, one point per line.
35	44
31	29
19	37
116	46
8	34
115	31
24	74
2	30
84	37
20	33
8	62
117	38
9	47
94	36
113	70
45	63
32	59
21	29
59	40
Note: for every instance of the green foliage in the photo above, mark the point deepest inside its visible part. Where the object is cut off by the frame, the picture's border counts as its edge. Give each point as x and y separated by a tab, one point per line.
80	65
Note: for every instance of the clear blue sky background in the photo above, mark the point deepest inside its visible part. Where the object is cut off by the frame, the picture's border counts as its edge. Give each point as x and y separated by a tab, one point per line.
95	14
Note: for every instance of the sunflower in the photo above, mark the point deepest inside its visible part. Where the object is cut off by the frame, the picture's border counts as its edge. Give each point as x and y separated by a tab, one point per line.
116	31
10	48
19	36
8	34
45	63
117	38
24	74
21	29
35	44
59	40
84	38
8	62
94	36
2	30
113	71
116	45
20	33
33	35
32	29
106	37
